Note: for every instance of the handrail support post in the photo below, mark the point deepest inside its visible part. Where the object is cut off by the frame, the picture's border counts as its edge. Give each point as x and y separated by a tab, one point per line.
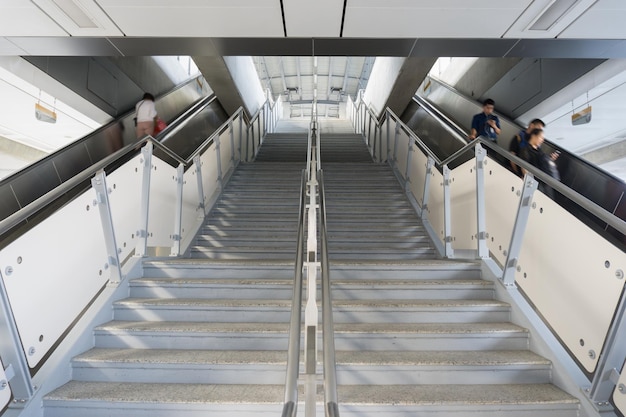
521	220
430	164
99	184
178	210
447	213
142	233
481	224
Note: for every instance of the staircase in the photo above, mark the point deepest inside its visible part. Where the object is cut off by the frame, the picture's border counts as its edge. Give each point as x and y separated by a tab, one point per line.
205	335
416	335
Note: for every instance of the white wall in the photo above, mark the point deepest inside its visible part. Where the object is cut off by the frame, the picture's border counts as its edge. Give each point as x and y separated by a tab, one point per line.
382	80
246	78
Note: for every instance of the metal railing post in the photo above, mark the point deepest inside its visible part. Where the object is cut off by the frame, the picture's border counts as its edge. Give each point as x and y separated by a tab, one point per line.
197	162
99	184
395	144
218	157
232	143
388	122
481	224
16	372
521	220
426	195
178	210
447	213
407	179
142	232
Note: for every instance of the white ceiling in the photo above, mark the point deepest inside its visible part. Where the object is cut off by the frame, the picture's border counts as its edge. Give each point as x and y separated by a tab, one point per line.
592	19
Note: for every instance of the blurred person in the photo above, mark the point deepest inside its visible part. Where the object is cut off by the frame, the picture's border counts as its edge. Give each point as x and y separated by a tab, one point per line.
520	141
533	154
145	116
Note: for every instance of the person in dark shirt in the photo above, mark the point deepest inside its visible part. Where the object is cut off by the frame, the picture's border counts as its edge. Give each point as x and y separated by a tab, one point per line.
520	141
538	158
486	123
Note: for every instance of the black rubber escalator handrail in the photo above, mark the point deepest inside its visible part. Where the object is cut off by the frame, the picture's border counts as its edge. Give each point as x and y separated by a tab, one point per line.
85	138
564	152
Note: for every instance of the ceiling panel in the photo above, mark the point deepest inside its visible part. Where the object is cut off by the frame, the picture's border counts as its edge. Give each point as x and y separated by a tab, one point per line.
23	18
87	19
8	48
196	18
605	20
441	19
320	18
65	46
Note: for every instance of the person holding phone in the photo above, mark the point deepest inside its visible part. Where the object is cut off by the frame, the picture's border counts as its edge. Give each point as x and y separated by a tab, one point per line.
486	123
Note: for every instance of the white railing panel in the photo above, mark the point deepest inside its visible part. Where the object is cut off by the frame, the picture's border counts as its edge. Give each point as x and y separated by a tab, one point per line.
225	152
573	282
236	136
192	213
125	184
52	272
435	203
502	191
162	204
463	202
402	151
5	388
384	140
619	395
417	173
210	182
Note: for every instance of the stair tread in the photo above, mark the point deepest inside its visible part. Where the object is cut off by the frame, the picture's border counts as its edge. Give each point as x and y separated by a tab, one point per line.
182	356
426	283
424	304
235	282
442	358
167	393
430	328
454	394
180	303
190	326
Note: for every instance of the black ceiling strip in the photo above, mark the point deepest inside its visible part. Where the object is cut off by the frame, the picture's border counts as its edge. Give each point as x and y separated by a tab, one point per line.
282	11
343	17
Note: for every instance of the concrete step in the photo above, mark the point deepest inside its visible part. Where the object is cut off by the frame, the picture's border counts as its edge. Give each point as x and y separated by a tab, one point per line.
420	311
442	367
273	253
192	335
429	336
100	399
225	269
422	269
391	289
179	366
203	310
475	400
211	288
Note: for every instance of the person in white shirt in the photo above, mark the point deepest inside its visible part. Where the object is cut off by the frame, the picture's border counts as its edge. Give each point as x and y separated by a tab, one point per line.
145	116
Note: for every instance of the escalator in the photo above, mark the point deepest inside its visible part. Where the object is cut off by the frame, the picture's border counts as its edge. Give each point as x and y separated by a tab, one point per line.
442	120
191	115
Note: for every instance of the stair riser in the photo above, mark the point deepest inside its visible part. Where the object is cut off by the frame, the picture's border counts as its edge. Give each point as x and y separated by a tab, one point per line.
208	341
261	374
242	256
403	342
414	375
201	315
460	410
418	316
156	409
382	293
222	271
212	293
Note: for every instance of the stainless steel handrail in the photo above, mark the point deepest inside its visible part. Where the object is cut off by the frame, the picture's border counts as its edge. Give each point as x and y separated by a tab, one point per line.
295	325
596	210
24	213
328	328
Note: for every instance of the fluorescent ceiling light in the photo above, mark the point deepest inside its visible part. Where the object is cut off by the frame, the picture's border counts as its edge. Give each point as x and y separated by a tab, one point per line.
552	14
76	13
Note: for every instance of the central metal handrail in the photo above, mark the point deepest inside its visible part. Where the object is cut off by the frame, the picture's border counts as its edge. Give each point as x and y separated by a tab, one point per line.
328	328
295	326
